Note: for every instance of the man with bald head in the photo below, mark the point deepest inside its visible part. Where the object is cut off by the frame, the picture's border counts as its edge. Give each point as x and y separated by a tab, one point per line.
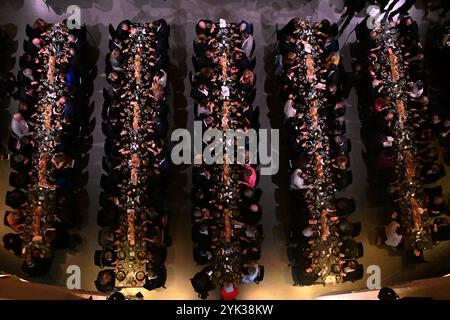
19	126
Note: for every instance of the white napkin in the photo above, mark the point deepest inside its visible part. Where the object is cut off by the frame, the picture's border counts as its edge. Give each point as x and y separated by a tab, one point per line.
225	91
308	48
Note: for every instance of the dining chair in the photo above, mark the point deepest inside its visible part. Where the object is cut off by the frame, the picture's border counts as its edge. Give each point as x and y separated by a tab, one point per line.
105	110
359	250
5	219
98	255
112	31
356	229
25	45
260	276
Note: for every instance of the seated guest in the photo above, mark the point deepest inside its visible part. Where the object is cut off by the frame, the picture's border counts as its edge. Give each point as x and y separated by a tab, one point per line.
16	198
352	270
156	254
34	46
432	172
202	283
298	180
345	206
252	215
339	145
13	242
394	234
251	272
202	256
19	126
106	238
202	234
20	163
105	281
229	291
16	219
109	258
35	265
303	274
123	30
440	228
250	176
156	277
20	180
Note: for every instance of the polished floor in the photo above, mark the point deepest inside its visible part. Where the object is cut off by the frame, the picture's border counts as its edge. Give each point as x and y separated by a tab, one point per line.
182	15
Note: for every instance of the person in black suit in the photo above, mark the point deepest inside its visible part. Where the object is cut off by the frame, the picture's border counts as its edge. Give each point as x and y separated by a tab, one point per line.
352	270
163	29
202	282
409	28
35	266
200	93
13	242
27	95
20	163
34	46
339	145
123	30
252	214
156	277
202	255
16	198
202	234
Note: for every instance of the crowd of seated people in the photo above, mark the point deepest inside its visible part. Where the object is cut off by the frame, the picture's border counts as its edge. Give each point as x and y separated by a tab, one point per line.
136	164
46	131
312	94
399	134
225	212
8	86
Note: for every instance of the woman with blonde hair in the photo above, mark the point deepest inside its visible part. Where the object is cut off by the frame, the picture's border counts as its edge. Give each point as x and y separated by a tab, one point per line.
333	58
157	91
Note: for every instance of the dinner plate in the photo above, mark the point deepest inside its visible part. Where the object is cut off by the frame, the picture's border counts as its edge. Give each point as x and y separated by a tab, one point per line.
120	276
140	275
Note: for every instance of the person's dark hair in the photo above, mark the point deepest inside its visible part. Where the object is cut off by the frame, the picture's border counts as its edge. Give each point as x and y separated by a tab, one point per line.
203	295
9	240
387	294
325	25
117	296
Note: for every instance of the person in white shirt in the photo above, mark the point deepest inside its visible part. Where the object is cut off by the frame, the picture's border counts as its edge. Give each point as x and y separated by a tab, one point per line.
394	234
161	78
307	232
289	109
247	44
19	126
416	90
252	273
298	180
